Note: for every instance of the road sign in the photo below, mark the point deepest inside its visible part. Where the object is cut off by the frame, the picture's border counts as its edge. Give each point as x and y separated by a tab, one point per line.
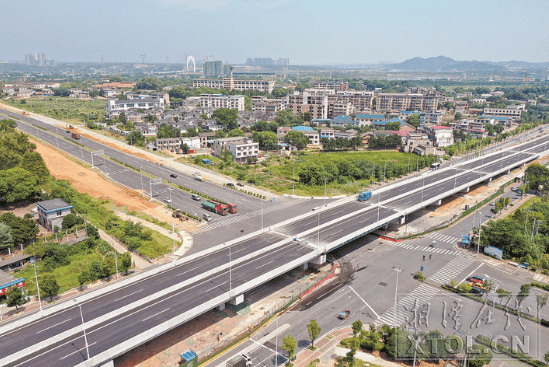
99	152
156	181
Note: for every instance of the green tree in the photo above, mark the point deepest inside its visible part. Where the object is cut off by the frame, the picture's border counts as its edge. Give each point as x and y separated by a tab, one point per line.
227	117
479	356
6	239
166	131
69	221
92	231
125	261
150	83
135	138
15	298
191	132
289	345
546	357
541	301
122	117
267	140
523	294
314	331
7	124
392	126
185	148
83	277
413	120
22	229
18	184
297	139
498	206
220	134
236	132
49	285
357	327
33	163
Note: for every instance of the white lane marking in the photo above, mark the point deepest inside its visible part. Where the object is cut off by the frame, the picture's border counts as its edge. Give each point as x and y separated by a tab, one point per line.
127	295
366	303
260	266
62	322
156	314
77	351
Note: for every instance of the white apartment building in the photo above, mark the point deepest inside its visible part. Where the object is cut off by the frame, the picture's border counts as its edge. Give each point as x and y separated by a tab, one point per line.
337	85
241	148
443	135
316	105
406	101
215	101
264	104
511	113
126	105
339	108
236	84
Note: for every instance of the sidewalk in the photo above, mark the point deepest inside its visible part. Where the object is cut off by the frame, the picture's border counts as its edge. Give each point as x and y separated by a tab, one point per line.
327	351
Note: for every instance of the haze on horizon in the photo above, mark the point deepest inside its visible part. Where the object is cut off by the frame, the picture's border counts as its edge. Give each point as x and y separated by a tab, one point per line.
306	31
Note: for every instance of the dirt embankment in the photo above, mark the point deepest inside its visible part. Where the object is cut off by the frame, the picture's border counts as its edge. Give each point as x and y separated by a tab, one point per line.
88	181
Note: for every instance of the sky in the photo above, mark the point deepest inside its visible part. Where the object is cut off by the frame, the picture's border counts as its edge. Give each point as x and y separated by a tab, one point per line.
308	32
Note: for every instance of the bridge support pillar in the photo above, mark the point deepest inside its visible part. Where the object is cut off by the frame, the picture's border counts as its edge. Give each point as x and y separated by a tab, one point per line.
402	220
467	189
221	307
237	300
508	171
108	364
304	266
439	203
489	180
319	260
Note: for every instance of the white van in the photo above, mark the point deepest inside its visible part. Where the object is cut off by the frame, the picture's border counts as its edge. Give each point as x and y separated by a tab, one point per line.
207	217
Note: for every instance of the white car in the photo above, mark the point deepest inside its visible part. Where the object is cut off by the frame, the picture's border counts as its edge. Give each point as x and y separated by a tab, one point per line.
168	200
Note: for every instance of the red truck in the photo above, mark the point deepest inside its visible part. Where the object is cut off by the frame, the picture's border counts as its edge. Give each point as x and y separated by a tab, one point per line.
214	207
75	136
233	209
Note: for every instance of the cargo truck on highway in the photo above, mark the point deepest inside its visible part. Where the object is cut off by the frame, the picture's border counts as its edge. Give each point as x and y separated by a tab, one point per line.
214	207
75	136
363	196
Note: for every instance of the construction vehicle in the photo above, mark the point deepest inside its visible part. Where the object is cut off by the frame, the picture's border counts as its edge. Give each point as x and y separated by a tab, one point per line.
26	113
177	214
363	196
75	136
215	207
70	126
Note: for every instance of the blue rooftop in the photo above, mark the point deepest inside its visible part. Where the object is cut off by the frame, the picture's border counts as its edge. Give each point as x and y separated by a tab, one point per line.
494	117
303	128
363	116
343	118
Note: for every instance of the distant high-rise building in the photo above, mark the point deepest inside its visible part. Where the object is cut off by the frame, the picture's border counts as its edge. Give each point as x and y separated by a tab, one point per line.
264	61
212	68
37	59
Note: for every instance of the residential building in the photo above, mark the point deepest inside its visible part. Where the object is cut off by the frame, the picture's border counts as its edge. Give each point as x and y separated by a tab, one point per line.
327	133
216	101
360	100
430	118
316	105
236	84
212	68
442	136
52	212
126	105
241	148
366	119
264	104
175	143
513	114
309	132
7	282
406	101
337	85
78	93
339	109
205	137
344	121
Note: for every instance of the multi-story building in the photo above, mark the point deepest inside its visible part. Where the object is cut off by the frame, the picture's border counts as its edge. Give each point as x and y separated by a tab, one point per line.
175	143
241	148
236	84
211	68
308	131
366	119
216	101
316	105
339	109
127	105
513	114
443	136
264	104
406	101
337	85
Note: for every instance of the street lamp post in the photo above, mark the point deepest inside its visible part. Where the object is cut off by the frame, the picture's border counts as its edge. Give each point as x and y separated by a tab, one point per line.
384	171
293	179
83	328
173	228
409	167
398	270
230	270
37	286
141	171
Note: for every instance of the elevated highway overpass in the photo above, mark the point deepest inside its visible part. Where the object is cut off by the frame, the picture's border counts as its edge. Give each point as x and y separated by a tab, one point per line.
124	315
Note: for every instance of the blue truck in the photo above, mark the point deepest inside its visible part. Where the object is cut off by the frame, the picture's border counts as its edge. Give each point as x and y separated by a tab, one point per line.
465	241
363	196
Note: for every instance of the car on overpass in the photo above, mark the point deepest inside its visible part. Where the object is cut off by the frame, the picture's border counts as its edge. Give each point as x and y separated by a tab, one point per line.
167	199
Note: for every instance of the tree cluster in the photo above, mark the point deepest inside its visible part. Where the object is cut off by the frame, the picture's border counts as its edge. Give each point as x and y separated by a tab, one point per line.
341	143
383	141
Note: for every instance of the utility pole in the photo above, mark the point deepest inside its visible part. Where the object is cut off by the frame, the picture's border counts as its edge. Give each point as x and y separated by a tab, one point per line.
143	57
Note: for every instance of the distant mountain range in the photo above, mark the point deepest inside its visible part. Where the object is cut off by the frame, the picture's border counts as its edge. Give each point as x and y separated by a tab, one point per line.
442	63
